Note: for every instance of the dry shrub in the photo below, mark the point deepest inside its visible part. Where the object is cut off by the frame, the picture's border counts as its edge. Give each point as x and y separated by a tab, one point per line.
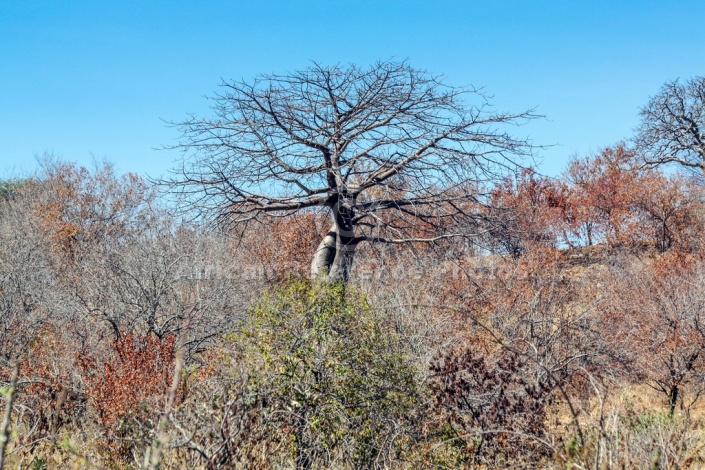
490	406
654	322
80	209
125	388
50	391
622	429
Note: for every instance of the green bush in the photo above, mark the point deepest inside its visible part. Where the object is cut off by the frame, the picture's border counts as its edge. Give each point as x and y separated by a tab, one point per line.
329	380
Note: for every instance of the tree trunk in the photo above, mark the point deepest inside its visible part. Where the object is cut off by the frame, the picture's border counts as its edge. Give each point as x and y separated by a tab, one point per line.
333	259
672	400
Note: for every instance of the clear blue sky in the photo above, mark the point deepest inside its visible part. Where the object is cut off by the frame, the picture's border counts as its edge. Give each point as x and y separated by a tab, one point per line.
84	79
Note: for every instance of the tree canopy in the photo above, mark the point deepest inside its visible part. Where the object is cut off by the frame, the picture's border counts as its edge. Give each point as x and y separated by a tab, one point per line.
671	129
386	149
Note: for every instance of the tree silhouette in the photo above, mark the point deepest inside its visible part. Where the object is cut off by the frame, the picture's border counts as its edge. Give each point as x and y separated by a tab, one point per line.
672	125
382	149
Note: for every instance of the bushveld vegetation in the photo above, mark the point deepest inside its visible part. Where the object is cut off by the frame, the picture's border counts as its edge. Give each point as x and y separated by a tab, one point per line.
512	321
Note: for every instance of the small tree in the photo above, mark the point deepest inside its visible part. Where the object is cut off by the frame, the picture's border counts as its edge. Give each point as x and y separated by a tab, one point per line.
530	209
604	188
673	125
382	149
670	209
654	324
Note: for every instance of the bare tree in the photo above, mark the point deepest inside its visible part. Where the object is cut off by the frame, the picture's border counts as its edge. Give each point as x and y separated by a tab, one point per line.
391	152
672	125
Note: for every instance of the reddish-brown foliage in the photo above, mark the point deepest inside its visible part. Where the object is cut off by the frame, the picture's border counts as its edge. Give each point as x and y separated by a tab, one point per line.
670	212
127	386
530	211
88	208
654	321
283	246
604	190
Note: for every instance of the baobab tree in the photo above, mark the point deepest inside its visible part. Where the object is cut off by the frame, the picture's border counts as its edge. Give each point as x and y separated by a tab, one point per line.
392	152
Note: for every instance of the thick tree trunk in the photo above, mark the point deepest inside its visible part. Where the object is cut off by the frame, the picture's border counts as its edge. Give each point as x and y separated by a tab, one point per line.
324	256
332	262
333	259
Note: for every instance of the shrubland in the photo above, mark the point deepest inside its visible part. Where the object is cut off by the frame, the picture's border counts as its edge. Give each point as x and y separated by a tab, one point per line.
557	324
571	335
